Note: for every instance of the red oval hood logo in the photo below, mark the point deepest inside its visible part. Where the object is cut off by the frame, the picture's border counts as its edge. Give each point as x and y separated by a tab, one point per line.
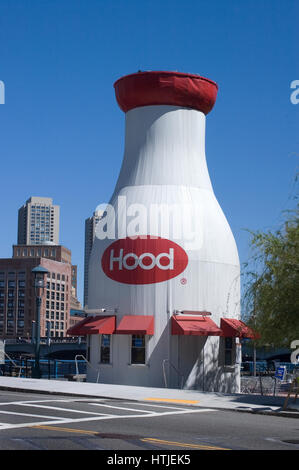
143	260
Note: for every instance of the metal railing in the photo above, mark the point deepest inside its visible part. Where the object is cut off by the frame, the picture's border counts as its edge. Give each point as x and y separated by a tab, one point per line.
44	339
13	362
88	363
176	370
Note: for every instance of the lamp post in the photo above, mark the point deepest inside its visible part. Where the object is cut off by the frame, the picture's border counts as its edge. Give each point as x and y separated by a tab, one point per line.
39	285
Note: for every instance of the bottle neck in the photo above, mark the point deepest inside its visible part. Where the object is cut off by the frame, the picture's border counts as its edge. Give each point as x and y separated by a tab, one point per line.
164	145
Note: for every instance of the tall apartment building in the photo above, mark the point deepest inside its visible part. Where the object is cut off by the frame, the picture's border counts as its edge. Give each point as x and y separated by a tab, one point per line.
38	222
90	227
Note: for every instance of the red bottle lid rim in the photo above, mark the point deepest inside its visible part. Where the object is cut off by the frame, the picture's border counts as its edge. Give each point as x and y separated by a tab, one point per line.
168	88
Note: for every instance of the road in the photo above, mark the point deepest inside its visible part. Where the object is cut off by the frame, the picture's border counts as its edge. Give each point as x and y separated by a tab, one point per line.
51	422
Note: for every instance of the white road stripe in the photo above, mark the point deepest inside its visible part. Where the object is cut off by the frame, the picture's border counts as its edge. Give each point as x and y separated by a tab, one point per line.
29	414
119	407
159	406
28	402
60	409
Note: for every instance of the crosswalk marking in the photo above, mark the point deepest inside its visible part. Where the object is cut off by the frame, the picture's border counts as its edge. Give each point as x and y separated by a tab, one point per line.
136	412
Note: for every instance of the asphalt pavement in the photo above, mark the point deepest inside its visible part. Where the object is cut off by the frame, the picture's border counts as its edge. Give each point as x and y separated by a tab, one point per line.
212	400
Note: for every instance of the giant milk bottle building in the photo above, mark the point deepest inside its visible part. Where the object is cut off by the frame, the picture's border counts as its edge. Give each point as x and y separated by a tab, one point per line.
164	293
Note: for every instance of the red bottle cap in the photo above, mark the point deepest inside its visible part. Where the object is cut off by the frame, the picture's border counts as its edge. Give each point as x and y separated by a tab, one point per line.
168	88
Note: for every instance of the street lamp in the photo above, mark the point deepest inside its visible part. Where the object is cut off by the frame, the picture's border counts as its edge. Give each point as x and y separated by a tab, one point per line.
39	285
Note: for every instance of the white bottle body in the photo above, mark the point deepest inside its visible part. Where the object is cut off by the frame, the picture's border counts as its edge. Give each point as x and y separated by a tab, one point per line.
164	175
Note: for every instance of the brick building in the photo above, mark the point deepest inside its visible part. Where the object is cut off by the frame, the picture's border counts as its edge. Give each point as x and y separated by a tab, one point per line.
17	296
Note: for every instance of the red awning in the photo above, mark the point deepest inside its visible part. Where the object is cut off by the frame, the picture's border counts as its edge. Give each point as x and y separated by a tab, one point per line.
232	327
101	324
136	325
194	325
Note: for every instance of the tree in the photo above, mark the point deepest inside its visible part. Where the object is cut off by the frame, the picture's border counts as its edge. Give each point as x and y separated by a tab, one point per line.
272	290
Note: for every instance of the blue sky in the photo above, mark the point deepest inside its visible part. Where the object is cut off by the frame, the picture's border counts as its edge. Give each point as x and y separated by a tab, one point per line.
62	133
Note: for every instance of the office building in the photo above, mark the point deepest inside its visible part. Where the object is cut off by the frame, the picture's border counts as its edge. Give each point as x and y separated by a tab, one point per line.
18	301
90	228
38	222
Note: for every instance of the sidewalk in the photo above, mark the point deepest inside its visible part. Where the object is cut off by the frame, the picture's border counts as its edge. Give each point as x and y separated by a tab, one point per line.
222	401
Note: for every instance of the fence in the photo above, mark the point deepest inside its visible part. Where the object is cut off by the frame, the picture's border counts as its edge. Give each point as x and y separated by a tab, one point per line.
50	368
265	382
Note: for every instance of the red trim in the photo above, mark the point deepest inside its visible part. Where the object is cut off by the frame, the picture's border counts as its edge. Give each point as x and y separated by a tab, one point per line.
232	327
136	325
168	88
101	324
194	325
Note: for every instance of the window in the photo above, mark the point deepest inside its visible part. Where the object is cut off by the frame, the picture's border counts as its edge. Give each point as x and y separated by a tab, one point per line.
2	284
105	349
21	283
229	351
138	349
11	283
21	313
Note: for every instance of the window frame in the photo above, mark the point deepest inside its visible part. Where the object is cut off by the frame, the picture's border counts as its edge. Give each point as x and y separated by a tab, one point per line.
101	347
145	338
